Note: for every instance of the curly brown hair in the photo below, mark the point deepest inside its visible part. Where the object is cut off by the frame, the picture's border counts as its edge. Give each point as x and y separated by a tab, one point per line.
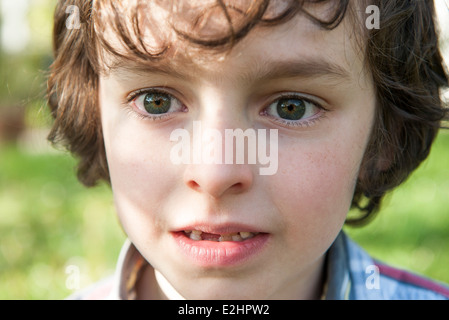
403	57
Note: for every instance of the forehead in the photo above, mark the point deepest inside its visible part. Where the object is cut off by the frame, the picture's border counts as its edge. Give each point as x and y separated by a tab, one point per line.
161	48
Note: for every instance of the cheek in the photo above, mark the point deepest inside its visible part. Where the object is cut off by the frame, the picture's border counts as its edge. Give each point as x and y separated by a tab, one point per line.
140	177
315	184
318	173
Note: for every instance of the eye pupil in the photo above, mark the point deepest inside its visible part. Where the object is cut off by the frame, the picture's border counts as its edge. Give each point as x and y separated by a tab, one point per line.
291	109
157	103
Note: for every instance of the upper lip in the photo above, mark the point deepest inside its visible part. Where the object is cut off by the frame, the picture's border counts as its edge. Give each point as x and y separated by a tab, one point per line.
219	228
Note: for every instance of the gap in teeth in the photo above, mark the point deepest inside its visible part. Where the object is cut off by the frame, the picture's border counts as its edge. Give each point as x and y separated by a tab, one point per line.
239	236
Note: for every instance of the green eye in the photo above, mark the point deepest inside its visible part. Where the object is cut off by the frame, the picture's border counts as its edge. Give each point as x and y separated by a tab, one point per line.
291	109
294	110
157	103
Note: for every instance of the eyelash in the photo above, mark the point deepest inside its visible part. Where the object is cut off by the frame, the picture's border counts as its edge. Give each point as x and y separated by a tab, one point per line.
304	123
130	100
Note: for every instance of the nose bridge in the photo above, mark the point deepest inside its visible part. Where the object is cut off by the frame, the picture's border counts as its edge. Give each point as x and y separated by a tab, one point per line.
222	107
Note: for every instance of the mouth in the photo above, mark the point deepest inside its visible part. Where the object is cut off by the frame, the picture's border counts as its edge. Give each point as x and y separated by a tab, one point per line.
198	235
220	248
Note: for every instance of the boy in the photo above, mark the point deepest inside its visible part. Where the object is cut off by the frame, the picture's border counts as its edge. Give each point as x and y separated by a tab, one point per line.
350	112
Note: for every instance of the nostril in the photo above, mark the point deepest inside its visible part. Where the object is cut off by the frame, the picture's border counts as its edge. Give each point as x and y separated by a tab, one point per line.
217	180
193	185
238	186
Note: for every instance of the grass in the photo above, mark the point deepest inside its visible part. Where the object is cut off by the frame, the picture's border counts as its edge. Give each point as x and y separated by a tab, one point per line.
49	223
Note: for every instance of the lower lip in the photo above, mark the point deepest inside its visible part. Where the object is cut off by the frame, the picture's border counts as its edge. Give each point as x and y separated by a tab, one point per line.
220	254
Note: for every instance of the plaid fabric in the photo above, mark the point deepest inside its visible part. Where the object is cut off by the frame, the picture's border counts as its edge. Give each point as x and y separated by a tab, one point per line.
351	275
354	275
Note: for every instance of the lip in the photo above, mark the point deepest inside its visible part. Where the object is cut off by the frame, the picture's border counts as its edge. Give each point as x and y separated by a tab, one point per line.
212	254
219	228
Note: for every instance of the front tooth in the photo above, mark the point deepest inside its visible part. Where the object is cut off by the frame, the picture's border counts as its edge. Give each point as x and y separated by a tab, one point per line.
195	236
246	235
197	232
236	237
225	237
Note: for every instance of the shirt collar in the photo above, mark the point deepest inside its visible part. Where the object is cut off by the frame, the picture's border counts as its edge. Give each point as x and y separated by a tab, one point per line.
126	272
338	278
130	267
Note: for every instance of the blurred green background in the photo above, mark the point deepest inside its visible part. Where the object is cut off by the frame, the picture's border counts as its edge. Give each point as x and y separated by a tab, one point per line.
57	236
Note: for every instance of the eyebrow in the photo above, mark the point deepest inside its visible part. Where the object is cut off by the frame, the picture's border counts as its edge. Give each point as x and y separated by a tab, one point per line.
305	68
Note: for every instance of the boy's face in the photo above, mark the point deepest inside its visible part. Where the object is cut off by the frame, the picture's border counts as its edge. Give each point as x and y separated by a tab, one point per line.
307	83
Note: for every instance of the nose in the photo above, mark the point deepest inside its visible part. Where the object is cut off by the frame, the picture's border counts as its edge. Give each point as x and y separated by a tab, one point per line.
221	176
228	176
218	180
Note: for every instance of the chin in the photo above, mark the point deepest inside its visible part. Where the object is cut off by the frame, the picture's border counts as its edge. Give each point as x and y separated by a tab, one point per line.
224	290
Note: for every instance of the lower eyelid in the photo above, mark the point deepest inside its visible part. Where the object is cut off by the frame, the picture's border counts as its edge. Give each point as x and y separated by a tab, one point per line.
147	117
299	123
